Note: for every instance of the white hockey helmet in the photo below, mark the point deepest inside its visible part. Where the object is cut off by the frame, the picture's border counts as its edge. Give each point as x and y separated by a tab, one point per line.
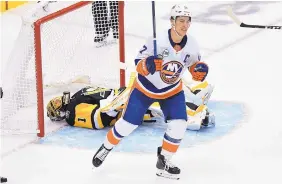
179	10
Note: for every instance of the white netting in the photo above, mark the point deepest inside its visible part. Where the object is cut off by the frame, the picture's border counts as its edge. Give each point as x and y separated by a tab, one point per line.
78	47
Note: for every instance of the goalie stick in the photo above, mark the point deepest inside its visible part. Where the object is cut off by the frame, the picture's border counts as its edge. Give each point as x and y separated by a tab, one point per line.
242	24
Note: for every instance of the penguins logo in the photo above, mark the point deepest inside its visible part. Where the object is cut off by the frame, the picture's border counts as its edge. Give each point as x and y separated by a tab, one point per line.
171	71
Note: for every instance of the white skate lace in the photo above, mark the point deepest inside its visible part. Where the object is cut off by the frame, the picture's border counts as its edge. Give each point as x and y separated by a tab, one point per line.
102	154
168	164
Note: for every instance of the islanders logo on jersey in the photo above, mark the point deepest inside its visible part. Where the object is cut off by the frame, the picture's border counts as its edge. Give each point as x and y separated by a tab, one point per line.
171	71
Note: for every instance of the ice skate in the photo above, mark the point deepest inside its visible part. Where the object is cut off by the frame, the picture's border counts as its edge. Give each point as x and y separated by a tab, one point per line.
209	120
100	38
100	156
165	168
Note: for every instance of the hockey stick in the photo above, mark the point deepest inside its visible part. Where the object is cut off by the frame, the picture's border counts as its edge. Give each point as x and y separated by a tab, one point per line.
242	24
154	29
154	35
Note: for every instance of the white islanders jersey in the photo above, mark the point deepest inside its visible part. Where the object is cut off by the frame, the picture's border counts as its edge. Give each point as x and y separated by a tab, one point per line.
167	82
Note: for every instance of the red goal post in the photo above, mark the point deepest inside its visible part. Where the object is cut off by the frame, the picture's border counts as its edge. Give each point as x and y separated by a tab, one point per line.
38	51
38	56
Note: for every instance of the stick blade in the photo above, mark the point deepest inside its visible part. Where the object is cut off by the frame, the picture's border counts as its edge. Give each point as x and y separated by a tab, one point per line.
233	16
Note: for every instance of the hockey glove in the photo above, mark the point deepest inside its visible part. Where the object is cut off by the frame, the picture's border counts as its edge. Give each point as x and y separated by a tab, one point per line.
149	65
199	71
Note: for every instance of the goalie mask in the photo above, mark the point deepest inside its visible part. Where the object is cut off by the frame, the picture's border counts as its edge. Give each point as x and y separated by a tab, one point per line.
56	109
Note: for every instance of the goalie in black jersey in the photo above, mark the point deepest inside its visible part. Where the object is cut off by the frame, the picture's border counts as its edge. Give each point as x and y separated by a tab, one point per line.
84	108
96	108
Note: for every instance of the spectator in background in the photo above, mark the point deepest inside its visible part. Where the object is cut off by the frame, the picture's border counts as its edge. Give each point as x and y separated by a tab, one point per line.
104	21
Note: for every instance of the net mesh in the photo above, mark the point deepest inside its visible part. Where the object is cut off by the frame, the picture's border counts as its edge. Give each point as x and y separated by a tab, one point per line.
72	57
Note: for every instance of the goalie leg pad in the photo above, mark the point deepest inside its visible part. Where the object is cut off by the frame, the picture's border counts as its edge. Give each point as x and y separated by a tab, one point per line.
198	94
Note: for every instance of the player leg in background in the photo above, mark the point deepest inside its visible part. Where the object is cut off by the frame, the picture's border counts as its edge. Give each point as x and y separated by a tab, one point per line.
114	18
100	17
132	117
174	110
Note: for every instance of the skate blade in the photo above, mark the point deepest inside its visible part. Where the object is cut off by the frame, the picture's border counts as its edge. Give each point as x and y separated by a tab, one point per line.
164	174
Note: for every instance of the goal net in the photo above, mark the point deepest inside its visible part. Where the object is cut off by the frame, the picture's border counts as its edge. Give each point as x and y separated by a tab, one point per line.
62	46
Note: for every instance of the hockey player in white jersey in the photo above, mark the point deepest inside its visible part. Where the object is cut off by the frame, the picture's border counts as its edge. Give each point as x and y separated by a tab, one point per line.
160	80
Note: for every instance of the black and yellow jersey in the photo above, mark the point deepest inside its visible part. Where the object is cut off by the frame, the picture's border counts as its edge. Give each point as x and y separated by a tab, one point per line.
84	108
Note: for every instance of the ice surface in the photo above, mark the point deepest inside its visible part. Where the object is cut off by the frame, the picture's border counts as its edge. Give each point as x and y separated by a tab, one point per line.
245	67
